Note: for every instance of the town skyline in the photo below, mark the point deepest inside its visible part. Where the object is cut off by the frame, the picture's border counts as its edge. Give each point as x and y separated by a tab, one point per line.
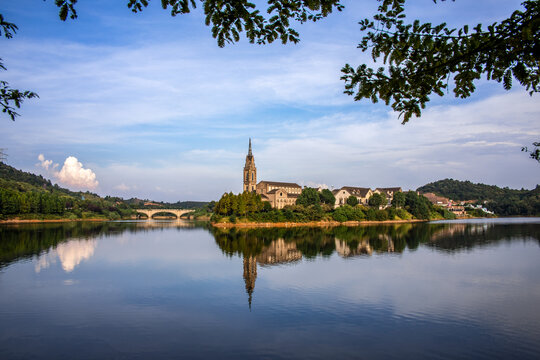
159	114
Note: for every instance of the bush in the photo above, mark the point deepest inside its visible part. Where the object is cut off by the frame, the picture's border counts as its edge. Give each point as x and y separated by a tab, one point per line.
381	215
352	200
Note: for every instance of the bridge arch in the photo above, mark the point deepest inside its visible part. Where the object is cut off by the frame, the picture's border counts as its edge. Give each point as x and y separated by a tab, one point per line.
151	212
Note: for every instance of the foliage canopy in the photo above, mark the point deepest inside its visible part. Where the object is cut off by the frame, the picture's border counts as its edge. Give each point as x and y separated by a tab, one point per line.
422	58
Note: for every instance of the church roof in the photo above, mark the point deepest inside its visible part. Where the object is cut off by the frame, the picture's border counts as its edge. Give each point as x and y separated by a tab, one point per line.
282	184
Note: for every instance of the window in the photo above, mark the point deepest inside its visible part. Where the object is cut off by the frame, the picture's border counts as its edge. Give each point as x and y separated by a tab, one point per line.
247	176
252	176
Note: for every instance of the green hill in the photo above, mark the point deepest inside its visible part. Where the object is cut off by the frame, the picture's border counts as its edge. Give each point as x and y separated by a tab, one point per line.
503	201
28	196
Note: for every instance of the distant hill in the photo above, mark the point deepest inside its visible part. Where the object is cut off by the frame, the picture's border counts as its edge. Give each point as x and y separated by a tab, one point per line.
503	201
466	190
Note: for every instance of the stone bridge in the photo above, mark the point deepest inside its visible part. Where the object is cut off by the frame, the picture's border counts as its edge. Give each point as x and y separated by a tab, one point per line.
152	212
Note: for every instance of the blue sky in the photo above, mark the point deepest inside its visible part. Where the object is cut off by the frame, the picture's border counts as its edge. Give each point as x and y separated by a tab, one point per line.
153	108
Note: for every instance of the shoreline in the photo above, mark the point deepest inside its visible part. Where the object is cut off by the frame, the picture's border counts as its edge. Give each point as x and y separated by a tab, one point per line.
30	221
311	224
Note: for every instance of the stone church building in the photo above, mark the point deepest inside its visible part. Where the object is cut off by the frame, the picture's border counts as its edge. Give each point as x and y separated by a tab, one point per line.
281	194
278	194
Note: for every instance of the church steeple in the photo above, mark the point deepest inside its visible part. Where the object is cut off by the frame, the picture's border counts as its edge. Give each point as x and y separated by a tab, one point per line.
250	171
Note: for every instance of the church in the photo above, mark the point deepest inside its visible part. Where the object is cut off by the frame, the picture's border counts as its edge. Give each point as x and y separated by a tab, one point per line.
281	194
278	194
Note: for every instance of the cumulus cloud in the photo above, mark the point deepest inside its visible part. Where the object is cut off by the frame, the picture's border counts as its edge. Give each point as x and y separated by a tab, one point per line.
45	163
72	173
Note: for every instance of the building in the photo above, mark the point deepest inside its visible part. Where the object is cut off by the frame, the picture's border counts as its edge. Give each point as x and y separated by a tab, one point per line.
281	194
389	192
278	194
362	194
250	171
457	210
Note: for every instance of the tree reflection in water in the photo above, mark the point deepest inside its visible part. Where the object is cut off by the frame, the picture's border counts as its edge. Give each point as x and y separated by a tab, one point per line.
75	242
273	246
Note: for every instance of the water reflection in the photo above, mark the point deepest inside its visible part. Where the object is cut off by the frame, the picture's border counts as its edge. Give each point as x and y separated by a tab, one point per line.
276	246
161	290
71	242
70	254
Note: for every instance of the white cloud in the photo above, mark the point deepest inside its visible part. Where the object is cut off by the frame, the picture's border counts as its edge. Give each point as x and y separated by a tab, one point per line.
44	163
71	174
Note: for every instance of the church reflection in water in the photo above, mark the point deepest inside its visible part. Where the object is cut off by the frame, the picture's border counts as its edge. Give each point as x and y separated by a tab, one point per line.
73	244
278	252
269	247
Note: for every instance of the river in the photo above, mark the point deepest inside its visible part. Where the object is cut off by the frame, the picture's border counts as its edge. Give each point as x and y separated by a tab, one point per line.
178	289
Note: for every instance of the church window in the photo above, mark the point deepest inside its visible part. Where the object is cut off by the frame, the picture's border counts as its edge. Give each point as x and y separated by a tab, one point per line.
247	176
252	176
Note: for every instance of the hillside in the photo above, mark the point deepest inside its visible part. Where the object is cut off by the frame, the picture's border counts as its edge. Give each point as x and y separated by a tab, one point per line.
28	196
503	201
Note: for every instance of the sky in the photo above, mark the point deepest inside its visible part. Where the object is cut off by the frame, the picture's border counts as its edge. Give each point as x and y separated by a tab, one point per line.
147	105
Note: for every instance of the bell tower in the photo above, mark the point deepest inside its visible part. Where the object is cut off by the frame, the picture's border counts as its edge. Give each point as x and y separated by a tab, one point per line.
250	172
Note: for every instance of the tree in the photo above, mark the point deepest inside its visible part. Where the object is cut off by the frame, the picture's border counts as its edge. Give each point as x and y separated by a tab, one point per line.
377	199
10	99
534	154
352	200
417	205
309	196
327	197
421	58
398	200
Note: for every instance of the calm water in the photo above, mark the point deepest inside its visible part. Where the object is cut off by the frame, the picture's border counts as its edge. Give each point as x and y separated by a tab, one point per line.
130	290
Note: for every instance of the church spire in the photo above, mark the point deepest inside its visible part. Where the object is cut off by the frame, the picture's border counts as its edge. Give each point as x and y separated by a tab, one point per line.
250	172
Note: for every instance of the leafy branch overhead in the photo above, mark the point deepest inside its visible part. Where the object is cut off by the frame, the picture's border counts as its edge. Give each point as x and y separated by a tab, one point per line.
10	99
229	18
421	59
